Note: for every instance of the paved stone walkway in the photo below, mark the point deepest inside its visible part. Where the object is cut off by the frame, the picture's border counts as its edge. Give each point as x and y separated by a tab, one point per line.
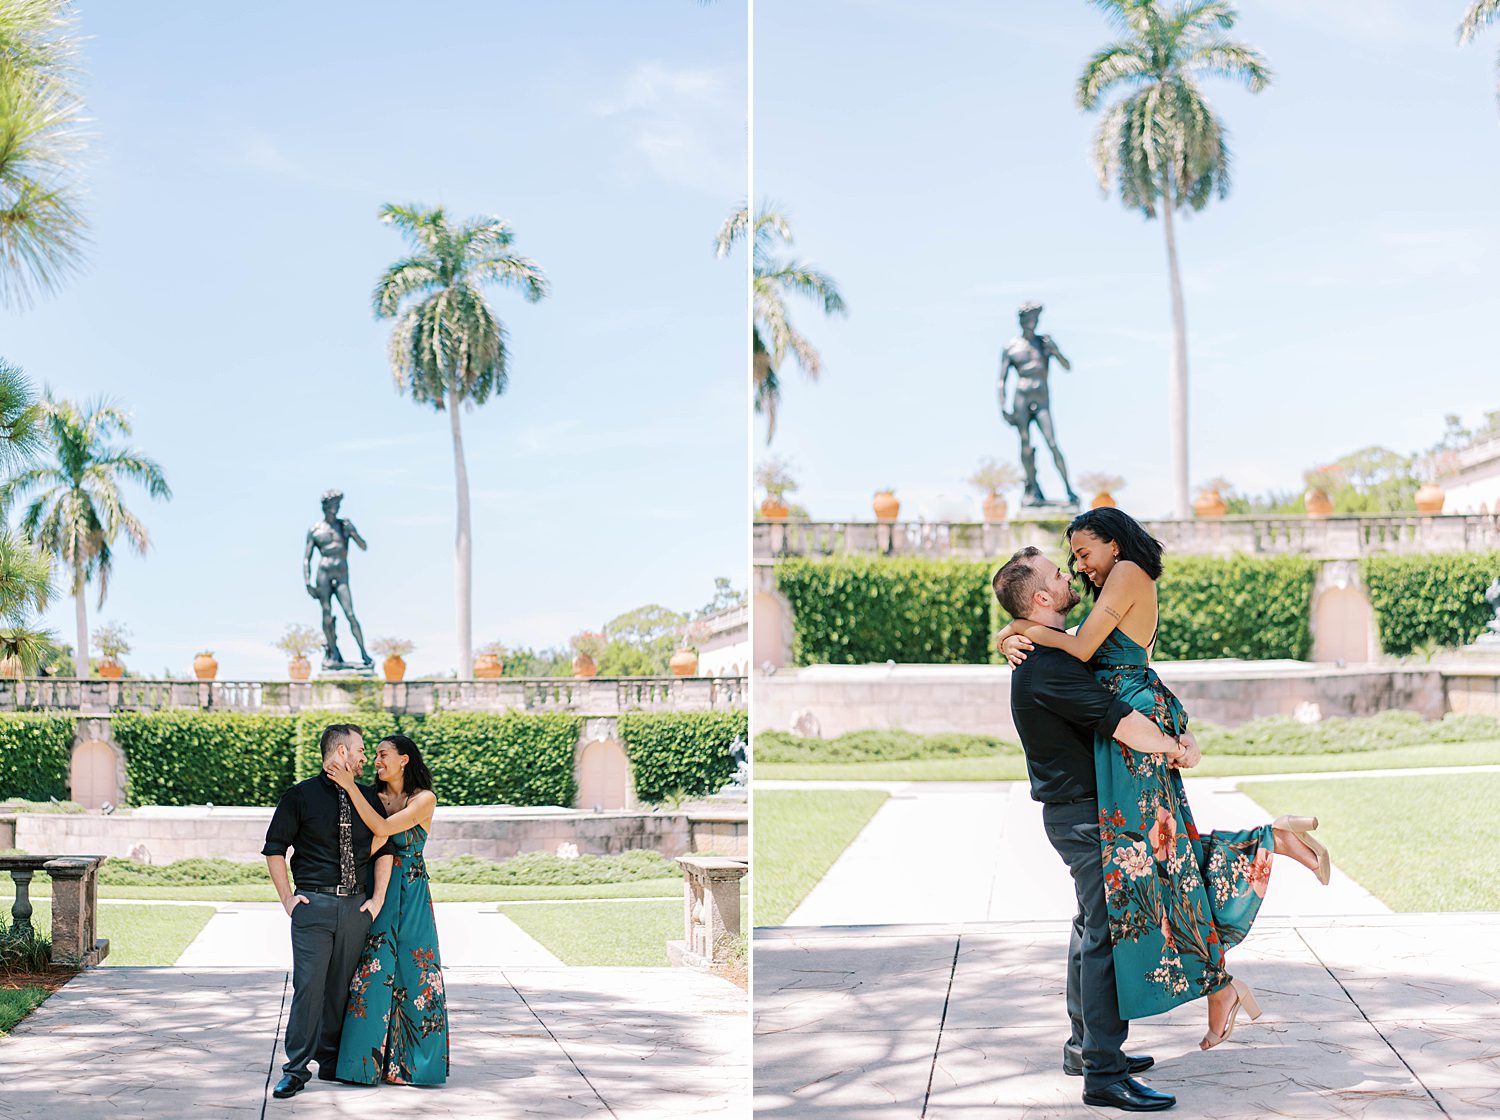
164	1044
1383	1016
985	858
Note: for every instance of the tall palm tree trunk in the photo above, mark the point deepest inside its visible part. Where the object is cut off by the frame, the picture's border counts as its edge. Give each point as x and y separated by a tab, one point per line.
463	557
81	620
1177	392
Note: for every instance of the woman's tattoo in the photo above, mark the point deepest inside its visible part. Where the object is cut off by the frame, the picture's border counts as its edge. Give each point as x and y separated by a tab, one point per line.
1114	614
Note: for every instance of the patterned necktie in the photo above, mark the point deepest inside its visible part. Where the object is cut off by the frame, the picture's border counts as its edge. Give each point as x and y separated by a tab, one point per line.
346	844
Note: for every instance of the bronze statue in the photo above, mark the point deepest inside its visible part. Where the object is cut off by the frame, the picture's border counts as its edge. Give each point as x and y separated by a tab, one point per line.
1031	404
330	538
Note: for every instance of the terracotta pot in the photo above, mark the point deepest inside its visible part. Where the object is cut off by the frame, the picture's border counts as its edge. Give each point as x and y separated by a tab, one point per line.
488	667
584	666
1430	498
1210	503
111	670
1317	503
996	509
887	506
1104	500
684	663
298	668
10	668
205	668
774	509
394	669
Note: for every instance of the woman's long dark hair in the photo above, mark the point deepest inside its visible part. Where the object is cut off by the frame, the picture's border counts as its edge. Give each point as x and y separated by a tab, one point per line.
416	775
1117	526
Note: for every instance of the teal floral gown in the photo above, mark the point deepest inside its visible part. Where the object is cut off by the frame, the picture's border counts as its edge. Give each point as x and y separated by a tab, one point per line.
396	1023
1177	900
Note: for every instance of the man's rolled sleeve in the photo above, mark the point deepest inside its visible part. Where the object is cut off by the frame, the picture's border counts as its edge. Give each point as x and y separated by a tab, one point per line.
284	822
1072	693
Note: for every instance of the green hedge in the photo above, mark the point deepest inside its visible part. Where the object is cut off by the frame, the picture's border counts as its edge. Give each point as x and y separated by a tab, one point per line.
517	758
681	754
35	752
858	610
1255	607
1429	600
191	758
308	730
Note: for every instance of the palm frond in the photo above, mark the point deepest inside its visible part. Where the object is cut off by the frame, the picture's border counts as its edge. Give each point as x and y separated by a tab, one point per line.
408	276
1114	65
735	228
1480	15
1219	58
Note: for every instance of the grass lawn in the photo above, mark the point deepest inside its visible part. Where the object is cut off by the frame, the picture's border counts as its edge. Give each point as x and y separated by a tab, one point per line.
798	835
441	892
16	1004
1419	843
1008	768
603	933
148	935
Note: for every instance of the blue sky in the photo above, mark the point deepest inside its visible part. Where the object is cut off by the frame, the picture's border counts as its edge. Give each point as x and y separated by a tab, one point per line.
933	162
242	153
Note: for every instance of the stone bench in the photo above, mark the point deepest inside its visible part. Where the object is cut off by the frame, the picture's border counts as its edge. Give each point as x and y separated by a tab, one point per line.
75	905
710	910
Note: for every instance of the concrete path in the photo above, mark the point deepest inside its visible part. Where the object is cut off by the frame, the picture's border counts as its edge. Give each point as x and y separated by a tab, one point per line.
976	852
256	935
1387	1016
179	1044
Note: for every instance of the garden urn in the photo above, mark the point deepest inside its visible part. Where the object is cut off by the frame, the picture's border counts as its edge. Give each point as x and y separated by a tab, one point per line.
299	668
394	669
1430	498
584	666
110	669
1210	503
1103	500
1317	503
488	667
684	663
996	510
887	506
774	509
205	668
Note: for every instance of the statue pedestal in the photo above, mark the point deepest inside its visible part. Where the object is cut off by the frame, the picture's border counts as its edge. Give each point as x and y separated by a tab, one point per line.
347	673
1046	511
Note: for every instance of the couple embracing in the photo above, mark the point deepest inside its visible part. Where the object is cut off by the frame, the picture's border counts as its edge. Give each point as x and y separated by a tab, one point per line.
1159	904
368	1003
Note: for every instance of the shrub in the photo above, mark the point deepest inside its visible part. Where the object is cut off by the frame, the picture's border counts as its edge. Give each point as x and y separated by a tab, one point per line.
681	753
877	746
858	610
543	869
1281	735
180	873
1436	599
191	757
308	730
35	752
1254	607
517	758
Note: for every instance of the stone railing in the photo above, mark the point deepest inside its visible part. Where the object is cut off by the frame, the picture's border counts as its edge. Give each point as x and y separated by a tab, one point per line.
710	910
1331	538
75	905
597	696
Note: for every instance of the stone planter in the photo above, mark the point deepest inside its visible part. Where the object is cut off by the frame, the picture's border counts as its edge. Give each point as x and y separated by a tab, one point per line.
10	669
1104	500
887	506
774	509
299	668
584	666
110	669
1317	503
394	669
205	668
996	510
488	667
1430	497
1210	503
684	663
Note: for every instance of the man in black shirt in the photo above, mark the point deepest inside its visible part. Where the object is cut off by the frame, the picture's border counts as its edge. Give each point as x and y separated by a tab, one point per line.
331	851
1058	708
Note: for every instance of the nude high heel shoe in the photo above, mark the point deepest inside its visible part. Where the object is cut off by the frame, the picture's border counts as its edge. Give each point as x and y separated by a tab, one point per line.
1303	827
1242	997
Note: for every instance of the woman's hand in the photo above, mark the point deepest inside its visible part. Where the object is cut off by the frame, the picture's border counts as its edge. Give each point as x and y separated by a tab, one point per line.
343	775
1015	647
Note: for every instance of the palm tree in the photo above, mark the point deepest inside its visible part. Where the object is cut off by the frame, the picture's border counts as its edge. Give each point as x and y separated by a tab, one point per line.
773	334
1161	144
76	513
1480	15
448	348
25	574
41	226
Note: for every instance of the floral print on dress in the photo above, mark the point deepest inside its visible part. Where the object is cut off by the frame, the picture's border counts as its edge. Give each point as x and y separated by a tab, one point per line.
1177	900
396	1021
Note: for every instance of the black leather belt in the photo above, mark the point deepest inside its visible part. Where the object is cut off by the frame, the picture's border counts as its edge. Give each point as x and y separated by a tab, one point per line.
340	891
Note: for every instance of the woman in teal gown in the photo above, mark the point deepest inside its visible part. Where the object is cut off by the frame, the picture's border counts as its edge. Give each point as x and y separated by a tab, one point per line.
396	1022
1178	899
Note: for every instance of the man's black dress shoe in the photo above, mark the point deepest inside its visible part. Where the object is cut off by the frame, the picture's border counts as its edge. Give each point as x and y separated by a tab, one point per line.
1131	1096
288	1086
1135	1063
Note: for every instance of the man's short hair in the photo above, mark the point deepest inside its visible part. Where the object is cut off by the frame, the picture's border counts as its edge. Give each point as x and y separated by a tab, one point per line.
1017	581
336	735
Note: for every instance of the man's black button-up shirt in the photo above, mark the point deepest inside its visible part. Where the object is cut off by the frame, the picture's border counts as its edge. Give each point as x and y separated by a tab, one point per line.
1058	707
307	821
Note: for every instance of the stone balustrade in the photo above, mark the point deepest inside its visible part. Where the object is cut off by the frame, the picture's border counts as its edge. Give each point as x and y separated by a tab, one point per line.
710	910
596	696
1345	537
75	905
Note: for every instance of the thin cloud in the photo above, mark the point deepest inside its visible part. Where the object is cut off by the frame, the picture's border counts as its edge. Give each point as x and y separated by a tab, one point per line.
686	124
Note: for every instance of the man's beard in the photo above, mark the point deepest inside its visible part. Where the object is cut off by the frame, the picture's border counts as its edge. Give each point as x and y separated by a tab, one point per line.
1073	599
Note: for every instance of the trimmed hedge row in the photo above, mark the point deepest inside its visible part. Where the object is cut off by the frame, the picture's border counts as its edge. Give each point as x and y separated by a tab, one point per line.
683	754
1435	599
516	758
35	752
191	758
1255	607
